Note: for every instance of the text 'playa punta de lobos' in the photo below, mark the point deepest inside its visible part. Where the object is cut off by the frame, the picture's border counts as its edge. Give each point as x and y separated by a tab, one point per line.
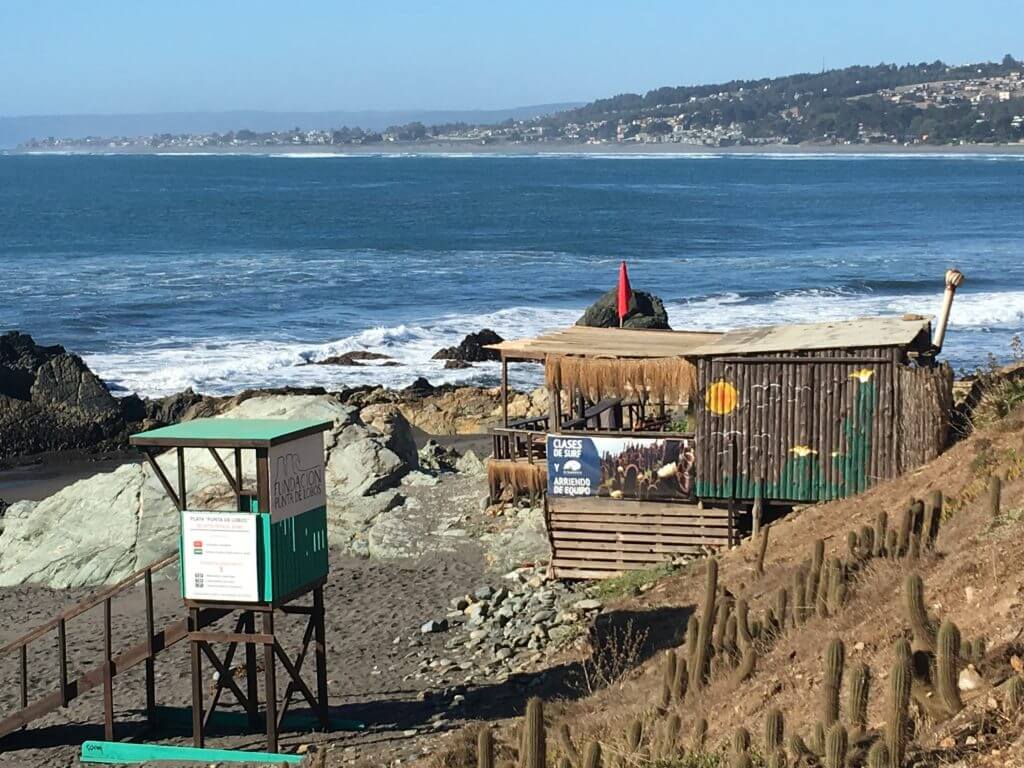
293	484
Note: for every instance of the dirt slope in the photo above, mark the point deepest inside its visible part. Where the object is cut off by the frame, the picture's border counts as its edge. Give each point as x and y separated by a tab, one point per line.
974	577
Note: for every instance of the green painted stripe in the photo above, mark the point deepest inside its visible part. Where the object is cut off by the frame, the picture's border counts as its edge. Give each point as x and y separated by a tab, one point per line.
120	753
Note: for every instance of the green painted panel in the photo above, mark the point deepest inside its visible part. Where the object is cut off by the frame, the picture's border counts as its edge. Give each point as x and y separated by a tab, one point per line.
298	550
123	753
228	430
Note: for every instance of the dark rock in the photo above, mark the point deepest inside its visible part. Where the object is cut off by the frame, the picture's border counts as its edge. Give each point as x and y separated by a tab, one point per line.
471	349
435	457
646	311
171	409
457	364
352	358
420	387
3	507
20	358
133	408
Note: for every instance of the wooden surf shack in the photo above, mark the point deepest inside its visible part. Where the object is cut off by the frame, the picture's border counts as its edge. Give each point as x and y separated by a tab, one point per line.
663	443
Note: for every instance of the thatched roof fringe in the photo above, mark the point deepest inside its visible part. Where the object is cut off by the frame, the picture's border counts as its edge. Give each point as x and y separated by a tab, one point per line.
658	379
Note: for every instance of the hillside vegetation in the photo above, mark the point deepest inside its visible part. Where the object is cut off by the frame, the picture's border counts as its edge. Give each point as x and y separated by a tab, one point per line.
883	630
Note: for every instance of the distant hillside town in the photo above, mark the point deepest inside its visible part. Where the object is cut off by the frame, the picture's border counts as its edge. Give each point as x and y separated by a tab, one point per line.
934	103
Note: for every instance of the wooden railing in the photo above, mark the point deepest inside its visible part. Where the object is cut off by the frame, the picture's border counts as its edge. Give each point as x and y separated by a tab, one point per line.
67	689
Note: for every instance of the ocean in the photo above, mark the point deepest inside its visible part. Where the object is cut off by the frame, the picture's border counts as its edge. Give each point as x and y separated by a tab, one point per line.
226	272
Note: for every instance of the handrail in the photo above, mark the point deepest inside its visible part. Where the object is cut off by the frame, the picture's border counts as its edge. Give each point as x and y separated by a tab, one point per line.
88	604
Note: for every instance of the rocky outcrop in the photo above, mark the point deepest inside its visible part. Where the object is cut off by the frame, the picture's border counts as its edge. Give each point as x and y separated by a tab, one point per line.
51	401
354	358
101	529
646	311
471	349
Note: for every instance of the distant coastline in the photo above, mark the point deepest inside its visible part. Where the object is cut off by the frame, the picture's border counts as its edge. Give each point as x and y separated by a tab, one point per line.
553	148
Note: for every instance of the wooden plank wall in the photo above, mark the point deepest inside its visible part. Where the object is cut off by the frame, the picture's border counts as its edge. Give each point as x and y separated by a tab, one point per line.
926	405
814	426
595	538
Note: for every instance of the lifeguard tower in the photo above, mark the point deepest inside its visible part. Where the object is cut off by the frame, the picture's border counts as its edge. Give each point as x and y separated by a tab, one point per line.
259	558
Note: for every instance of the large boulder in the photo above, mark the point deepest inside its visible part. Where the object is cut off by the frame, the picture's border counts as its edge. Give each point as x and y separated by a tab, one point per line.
103	528
646	311
471	349
51	401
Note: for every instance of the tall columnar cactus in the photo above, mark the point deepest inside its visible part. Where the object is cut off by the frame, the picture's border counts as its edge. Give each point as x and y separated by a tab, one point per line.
568	747
485	748
729	643
821	600
681	680
881	533
740	740
592	759
818	739
867	542
853	545
947	667
836	744
762	549
995	493
1015	696
901	649
692	633
897	716
878	756
670	736
534	744
781	608
836	586
798	748
814	576
774	730
746	666
634	735
835	657
978	650
721	620
699	734
892	550
922	625
668	677
858	690
699	663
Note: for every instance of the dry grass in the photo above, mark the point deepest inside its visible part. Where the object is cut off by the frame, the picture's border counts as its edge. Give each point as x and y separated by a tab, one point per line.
974	577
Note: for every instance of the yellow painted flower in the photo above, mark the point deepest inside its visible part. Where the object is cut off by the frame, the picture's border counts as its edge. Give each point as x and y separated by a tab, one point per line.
802	450
722	398
863	375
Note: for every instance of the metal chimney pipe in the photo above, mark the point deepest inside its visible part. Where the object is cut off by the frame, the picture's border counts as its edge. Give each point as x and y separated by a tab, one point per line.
954	279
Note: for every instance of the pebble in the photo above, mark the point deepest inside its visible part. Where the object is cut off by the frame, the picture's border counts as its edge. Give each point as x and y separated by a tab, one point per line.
433	626
588	605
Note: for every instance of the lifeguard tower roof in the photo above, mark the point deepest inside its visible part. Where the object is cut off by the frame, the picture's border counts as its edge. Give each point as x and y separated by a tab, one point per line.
230	433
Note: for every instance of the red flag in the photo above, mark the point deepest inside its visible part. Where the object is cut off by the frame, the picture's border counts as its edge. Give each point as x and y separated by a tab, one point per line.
625	293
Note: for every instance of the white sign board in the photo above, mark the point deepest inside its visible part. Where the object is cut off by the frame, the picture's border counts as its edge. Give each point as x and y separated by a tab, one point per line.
219	556
297	477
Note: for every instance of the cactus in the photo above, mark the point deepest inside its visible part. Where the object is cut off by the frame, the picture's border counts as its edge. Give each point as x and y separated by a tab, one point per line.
892	550
699	663
853	545
932	509
821	601
947	667
668	677
836	744
565	742
858	691
721	620
995	492
901	649
699	734
1014	696
774	727
761	550
914	549
978	650
906	526
746	665
692	632
897	718
922	626
740	741
670	736
781	608
836	586
835	657
681	680
593	756
729	642
798	748
878	756
867	542
881	533
743	637
818	738
485	748
777	759
814	575
534	737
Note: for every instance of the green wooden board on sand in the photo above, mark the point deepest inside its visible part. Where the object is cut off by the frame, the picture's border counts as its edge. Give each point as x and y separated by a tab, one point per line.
119	753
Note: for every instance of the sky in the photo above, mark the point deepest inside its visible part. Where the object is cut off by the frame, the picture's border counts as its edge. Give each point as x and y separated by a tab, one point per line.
116	56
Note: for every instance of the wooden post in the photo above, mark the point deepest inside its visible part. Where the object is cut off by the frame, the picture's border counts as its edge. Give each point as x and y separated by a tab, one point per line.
183	504
270	680
150	659
239	485
320	656
504	391
62	649
251	675
108	682
197	680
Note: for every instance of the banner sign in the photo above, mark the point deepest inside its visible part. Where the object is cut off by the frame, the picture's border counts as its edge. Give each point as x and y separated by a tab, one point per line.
638	468
218	553
296	477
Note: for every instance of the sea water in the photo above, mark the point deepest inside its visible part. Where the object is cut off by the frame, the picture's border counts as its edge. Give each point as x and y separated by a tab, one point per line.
226	272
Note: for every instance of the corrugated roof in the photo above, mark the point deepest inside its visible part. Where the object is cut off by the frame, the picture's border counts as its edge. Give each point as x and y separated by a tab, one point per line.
606	342
839	334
